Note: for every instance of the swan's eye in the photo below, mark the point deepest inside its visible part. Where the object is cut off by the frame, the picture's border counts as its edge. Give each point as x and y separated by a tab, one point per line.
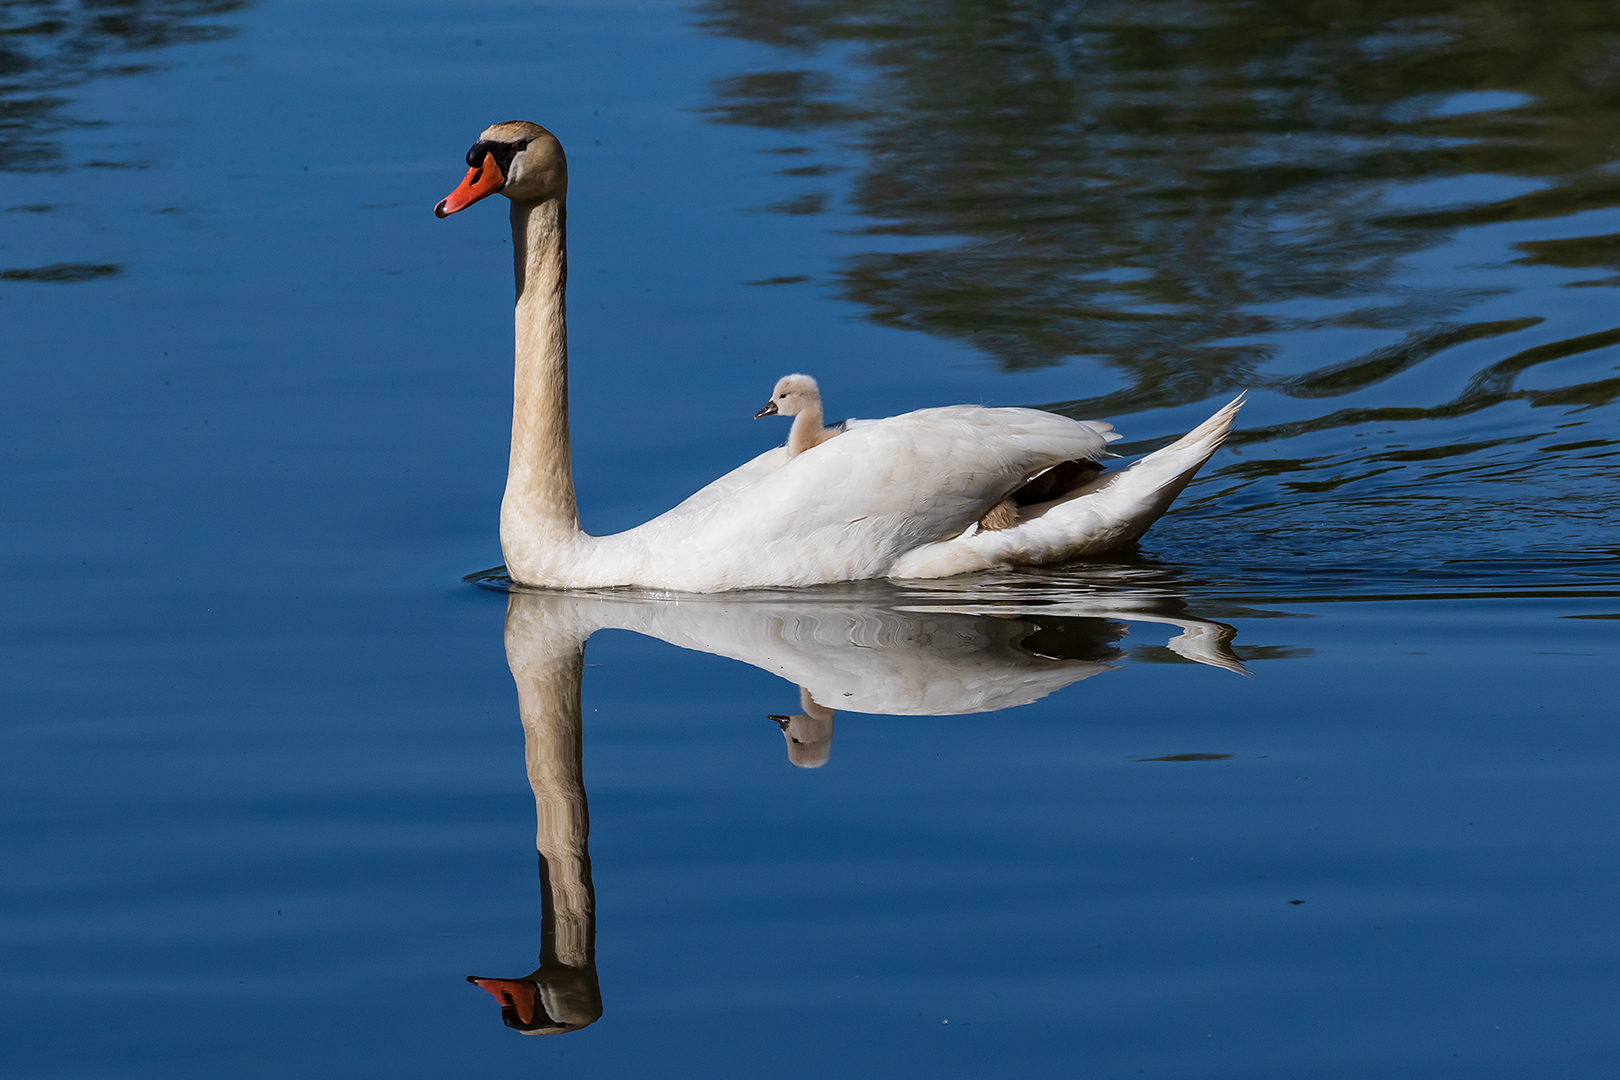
503	152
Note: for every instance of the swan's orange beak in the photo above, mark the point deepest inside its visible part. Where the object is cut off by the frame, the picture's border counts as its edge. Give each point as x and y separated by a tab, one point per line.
480	182
768	410
515	994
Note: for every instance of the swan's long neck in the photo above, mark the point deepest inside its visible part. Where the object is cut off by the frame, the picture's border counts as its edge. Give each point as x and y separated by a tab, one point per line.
538	511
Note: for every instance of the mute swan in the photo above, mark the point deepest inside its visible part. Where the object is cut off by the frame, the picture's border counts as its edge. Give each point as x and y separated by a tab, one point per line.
894	497
798	396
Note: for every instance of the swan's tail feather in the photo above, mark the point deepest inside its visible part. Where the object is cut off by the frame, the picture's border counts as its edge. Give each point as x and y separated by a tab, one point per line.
1210	433
1109	513
1139	494
1209	643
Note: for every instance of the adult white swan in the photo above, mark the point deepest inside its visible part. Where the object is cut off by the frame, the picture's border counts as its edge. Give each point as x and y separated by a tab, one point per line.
896	497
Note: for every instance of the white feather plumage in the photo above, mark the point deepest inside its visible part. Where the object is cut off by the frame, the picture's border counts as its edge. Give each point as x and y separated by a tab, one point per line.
897	497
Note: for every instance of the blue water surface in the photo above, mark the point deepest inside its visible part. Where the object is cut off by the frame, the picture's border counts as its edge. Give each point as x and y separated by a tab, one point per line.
1319	781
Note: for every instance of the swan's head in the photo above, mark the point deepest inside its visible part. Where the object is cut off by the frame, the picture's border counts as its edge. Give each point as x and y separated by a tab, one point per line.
522	161
550	1001
793	395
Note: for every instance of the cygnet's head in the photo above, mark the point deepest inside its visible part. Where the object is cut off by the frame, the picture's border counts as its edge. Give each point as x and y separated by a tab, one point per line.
522	161
808	734
792	396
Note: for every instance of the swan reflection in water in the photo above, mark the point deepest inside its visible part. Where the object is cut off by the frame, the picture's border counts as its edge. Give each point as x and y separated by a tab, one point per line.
904	651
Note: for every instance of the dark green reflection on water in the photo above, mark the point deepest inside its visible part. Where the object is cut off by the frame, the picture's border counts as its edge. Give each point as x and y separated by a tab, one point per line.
1137	181
49	46
1388	218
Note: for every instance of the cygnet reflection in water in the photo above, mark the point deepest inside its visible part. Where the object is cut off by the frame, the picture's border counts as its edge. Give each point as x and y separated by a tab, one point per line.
867	649
808	733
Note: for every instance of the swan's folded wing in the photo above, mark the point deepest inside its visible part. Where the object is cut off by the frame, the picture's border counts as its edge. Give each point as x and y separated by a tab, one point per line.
732	482
848	507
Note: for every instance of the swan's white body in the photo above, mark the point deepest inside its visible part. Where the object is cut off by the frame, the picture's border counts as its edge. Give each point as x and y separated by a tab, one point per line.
888	498
849	510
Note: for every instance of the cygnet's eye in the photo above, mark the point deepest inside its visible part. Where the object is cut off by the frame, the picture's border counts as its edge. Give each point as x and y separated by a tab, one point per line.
783	394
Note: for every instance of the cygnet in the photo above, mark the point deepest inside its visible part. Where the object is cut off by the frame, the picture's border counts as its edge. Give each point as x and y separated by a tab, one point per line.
798	396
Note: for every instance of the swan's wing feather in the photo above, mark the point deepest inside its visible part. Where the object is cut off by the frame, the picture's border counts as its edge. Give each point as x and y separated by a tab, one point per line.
938	467
732	482
879	489
851	508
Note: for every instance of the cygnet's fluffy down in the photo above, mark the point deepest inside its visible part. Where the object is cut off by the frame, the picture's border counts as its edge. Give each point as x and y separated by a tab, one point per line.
798	396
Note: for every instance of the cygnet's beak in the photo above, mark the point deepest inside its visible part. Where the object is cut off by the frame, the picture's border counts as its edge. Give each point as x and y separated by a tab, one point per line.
768	410
480	182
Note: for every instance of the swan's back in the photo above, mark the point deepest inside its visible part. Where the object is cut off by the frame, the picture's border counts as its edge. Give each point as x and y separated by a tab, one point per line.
848	508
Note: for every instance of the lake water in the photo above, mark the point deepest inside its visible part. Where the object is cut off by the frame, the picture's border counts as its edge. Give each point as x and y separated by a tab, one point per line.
1319	781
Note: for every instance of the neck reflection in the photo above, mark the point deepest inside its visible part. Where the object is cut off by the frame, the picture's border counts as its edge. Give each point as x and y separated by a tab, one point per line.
562	994
876	649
